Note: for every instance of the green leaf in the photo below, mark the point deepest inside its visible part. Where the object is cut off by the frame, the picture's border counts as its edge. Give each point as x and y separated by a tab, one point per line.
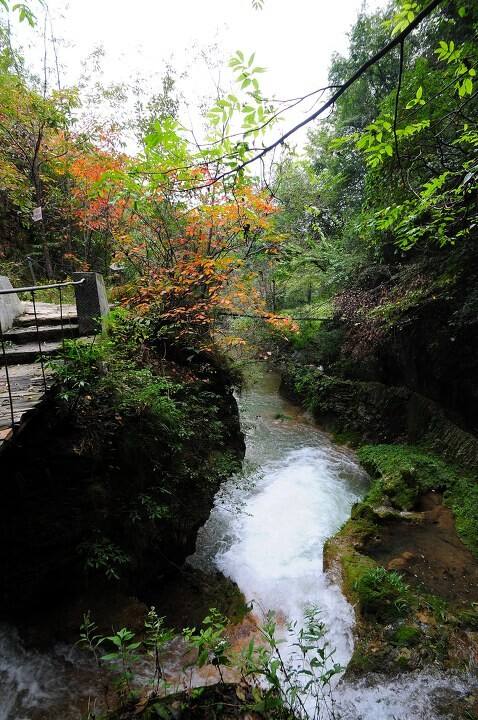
110	656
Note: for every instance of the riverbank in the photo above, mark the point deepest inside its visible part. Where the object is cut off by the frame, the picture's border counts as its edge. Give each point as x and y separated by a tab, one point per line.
407	557
109	484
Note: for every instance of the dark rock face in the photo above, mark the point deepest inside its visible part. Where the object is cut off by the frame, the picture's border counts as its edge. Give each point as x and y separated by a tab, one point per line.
374	412
436	356
88	493
425	330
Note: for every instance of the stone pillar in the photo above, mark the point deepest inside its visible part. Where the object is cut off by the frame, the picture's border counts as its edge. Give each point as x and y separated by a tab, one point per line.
10	305
91	302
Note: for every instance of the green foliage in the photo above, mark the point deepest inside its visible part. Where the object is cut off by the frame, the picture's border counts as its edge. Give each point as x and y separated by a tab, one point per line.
23	9
147	508
78	368
157	639
383	594
106	366
90	640
301	683
405	14
386	195
100	554
210	641
404	472
322	339
123	656
274	686
462	497
438	606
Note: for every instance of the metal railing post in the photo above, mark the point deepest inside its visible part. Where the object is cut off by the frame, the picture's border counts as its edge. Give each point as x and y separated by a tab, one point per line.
38	339
61	319
7	375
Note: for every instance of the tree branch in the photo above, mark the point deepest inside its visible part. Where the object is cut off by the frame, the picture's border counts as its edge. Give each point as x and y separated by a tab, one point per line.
398	40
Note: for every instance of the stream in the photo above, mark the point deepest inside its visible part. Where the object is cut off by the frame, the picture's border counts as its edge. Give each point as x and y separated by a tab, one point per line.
266	532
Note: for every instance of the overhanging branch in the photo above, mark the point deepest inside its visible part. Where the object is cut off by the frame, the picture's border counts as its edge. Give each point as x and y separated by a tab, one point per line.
397	41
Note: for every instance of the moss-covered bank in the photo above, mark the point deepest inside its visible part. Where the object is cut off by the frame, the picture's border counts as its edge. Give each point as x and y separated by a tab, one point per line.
412	580
407	557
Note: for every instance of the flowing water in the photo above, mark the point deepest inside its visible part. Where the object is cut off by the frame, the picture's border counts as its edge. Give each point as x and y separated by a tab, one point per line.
266	532
270	542
304	487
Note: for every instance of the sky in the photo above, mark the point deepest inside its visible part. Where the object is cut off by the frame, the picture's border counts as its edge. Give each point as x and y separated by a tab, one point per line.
293	39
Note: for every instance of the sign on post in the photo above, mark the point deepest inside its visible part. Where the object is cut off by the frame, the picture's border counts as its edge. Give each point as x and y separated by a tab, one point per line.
37	214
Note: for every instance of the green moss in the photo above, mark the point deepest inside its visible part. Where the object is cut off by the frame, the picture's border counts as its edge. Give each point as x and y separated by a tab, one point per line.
350	438
363	661
462	497
405	635
355	566
382	594
403	472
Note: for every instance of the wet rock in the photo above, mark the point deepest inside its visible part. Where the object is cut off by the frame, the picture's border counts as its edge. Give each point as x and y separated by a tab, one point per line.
397	564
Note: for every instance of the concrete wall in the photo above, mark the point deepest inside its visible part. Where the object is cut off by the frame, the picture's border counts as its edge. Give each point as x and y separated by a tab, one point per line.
91	302
10	305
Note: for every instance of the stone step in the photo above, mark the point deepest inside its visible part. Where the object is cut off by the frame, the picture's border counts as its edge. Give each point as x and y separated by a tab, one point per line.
47	314
22	335
29	352
28	391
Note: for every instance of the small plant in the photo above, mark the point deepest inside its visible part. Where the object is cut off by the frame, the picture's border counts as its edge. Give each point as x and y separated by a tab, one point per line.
210	642
382	593
89	638
299	684
147	509
102	554
124	657
439	607
77	368
157	638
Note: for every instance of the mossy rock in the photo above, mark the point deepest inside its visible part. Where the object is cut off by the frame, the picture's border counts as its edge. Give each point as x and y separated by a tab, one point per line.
382	594
406	635
402	473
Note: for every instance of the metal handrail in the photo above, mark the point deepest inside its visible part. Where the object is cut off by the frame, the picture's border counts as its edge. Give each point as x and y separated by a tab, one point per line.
34	288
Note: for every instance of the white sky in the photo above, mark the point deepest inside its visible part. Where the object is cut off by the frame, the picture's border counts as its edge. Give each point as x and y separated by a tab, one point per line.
294	39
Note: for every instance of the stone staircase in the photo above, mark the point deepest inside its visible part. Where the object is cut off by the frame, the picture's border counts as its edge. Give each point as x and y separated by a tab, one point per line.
32	334
54	324
22	353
